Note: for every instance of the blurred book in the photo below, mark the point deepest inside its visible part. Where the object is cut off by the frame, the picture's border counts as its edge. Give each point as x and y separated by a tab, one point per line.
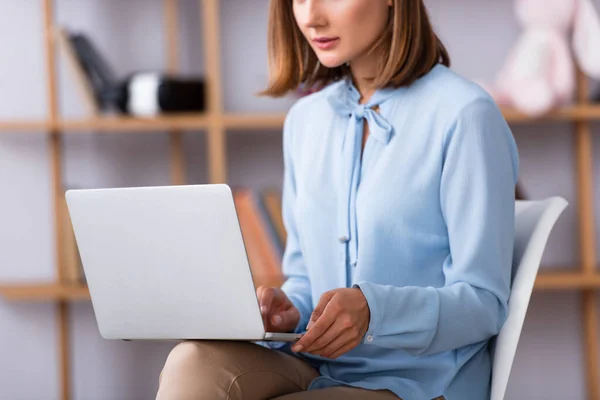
82	76
272	203
99	73
263	254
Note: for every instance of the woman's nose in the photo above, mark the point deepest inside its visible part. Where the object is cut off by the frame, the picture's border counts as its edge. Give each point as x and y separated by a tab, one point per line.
314	14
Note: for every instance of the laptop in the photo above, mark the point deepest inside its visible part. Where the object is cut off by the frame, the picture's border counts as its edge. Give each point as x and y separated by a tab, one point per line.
167	262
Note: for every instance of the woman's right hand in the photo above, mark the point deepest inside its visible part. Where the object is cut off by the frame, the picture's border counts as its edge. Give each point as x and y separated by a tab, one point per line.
278	312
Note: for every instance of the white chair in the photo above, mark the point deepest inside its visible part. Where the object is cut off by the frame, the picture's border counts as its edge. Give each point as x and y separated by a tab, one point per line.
534	221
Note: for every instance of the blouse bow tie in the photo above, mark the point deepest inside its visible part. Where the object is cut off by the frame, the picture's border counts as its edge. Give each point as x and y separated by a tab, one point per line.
345	102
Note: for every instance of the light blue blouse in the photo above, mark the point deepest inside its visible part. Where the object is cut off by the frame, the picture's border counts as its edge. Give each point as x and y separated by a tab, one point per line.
423	223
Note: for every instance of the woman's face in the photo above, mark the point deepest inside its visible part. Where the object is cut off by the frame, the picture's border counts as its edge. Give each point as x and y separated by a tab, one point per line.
341	31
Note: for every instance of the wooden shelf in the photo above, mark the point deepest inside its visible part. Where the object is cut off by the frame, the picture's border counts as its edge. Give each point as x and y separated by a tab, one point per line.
566	280
110	124
587	112
241	121
130	124
44	292
17	126
254	121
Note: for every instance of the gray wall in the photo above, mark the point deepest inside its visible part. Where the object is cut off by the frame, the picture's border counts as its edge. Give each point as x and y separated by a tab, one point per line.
478	33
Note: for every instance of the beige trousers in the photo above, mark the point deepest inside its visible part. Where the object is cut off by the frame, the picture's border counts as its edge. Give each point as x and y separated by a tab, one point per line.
215	370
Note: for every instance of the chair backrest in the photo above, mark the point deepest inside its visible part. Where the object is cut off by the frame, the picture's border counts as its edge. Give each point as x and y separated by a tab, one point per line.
534	221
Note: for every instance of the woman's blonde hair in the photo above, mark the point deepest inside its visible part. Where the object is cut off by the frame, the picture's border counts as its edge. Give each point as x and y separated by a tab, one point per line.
409	44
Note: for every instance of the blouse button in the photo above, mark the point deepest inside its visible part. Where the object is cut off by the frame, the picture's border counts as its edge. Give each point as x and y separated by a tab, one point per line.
343	239
370	338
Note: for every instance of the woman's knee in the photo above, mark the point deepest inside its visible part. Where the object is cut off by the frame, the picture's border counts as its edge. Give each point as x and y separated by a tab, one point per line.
195	369
194	356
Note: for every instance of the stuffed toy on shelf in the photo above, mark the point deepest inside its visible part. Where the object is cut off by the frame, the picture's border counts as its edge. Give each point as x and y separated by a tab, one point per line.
539	73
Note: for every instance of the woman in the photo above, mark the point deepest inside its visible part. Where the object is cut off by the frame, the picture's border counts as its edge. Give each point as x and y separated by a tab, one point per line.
398	201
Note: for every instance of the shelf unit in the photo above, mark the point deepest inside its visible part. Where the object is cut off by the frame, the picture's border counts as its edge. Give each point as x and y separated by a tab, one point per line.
215	122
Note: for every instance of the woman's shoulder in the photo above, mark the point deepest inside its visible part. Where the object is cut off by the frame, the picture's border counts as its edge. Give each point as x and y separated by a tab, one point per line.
307	114
312	103
449	93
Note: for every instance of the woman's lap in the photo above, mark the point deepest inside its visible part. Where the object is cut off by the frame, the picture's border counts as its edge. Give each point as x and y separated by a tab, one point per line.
239	370
225	369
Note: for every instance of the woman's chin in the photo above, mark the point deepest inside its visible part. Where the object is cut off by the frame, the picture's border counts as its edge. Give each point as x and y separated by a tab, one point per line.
330	61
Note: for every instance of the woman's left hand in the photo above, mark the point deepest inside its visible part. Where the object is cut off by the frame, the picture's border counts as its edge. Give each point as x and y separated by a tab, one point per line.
337	325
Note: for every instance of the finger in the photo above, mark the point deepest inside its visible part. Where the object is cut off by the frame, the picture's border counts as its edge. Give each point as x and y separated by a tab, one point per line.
341	323
287	319
259	294
344	349
266	300
320	308
260	291
344	338
335	330
319	328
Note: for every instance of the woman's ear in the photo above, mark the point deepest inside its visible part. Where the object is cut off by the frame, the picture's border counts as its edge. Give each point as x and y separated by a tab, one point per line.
586	38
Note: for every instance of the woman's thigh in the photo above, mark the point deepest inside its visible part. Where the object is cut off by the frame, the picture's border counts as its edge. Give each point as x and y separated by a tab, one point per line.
341	392
231	370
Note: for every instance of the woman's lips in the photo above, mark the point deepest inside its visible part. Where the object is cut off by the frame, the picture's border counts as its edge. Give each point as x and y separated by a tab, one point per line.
326	43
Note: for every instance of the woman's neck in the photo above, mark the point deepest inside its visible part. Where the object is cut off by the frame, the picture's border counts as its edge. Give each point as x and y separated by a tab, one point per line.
363	71
364	88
